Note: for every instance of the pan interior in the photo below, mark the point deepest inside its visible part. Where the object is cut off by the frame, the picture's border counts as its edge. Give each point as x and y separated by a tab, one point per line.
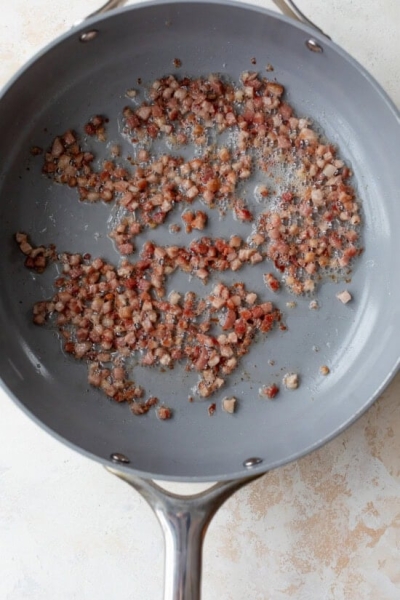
71	82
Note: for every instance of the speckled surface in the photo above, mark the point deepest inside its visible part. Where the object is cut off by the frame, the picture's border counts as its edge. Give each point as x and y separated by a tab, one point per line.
325	527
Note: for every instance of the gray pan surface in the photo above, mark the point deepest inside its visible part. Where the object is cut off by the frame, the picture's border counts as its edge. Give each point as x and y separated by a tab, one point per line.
62	88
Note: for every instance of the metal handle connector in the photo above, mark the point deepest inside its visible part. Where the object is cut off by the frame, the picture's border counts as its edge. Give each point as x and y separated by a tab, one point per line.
290	9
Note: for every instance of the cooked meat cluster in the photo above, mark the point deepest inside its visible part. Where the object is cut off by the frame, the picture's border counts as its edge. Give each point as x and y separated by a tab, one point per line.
309	229
105	314
306	225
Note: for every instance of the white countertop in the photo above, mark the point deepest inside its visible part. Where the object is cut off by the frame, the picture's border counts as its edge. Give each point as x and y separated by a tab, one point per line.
324	527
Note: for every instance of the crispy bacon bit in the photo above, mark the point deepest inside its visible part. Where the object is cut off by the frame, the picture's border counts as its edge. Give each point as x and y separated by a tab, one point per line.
270	391
242	213
131	93
95	126
200	220
37	258
123	234
164	413
229	404
22	241
272	282
291	381
36	150
152	401
193	220
139	408
344	296
212	409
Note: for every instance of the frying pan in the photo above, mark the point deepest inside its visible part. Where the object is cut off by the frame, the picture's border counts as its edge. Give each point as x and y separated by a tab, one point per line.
86	72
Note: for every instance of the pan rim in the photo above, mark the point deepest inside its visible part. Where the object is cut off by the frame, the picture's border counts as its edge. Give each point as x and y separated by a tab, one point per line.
258	469
389	105
75	29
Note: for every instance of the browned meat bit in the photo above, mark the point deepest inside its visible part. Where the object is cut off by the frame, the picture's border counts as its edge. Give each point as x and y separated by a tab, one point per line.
194	221
131	93
115	150
200	220
139	408
344	296
241	212
123	234
22	241
152	401
211	409
112	382
143	156
177	62
36	150
68	164
272	282
270	391
96	127
291	381
37	258
324	370
209	384
253	61
39	313
229	404
164	413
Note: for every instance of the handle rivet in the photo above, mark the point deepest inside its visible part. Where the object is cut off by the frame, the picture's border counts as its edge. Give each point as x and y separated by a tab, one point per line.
252	462
117	457
88	36
313	46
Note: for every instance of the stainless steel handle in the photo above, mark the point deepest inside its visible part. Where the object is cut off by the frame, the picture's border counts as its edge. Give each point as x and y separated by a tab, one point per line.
184	521
290	9
110	5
